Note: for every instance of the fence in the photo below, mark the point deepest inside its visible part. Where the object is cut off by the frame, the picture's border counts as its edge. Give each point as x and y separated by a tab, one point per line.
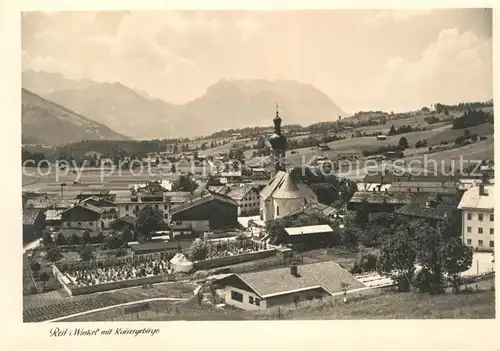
230	260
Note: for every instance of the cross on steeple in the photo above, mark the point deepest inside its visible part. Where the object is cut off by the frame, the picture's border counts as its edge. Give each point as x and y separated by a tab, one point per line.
277	110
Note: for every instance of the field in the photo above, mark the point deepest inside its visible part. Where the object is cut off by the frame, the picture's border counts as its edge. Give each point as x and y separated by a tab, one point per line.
368	304
37	308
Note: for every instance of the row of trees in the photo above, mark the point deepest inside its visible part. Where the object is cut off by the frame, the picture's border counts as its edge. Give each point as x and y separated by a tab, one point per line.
472	118
403	129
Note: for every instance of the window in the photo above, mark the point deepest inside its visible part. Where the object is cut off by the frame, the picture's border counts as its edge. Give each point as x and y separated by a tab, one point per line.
156	206
492	231
469	242
480	230
469	229
296	299
166	215
492	244
480	216
257	302
480	243
126	207
277	210
492	218
318	297
250	299
178	222
165	207
80	224
137	207
91	223
236	296
469	216
309	298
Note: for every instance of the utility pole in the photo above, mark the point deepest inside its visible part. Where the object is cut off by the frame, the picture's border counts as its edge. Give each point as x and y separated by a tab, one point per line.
62	193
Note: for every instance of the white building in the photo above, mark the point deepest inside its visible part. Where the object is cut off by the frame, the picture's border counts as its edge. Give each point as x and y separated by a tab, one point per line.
282	196
246	195
478	226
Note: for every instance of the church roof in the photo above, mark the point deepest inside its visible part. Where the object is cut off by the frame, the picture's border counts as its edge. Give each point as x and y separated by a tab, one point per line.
272	185
287	189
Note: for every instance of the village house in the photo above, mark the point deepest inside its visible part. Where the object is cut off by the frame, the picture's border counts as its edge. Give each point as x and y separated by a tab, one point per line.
284	286
379	201
80	218
110	209
433	208
33	224
478	223
133	201
247	197
209	211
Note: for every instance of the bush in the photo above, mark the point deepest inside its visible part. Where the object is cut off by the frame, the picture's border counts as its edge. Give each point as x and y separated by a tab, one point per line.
99	238
75	240
120	252
61	240
366	262
86	254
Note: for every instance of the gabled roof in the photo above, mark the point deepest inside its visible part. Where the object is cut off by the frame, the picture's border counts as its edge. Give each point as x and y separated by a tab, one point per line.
471	199
127	219
374	197
86	206
30	216
202	200
430	207
326	275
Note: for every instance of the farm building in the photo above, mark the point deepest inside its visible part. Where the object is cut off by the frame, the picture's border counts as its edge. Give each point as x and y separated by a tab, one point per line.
309	237
33	223
433	208
80	218
379	201
247	197
283	286
123	223
381	137
219	210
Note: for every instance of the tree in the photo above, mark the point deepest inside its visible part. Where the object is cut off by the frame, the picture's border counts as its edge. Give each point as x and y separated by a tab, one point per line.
403	142
149	221
54	254
61	240
47	239
184	183
86	253
429	241
127	236
362	215
397	258
35	268
99	239
75	240
198	250
44	278
86	238
392	130
456	258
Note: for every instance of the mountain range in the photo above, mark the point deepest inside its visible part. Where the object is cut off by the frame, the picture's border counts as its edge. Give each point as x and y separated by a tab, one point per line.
45	122
228	104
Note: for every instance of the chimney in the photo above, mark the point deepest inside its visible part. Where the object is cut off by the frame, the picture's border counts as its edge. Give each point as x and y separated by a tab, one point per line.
293	270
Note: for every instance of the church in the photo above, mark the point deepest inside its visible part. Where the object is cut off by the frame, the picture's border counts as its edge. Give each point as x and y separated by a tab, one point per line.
282	195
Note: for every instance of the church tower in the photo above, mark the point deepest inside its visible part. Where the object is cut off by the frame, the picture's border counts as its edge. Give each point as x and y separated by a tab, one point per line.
278	144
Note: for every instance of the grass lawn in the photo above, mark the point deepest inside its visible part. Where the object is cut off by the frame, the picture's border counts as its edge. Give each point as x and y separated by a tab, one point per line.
370	304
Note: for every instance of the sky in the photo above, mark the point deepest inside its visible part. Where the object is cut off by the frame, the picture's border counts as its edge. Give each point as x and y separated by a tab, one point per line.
363	60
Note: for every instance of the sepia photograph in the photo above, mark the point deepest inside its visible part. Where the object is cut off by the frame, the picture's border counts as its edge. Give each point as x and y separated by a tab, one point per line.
256	165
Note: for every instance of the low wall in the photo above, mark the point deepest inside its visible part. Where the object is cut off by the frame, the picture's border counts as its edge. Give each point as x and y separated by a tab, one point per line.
61	278
230	260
